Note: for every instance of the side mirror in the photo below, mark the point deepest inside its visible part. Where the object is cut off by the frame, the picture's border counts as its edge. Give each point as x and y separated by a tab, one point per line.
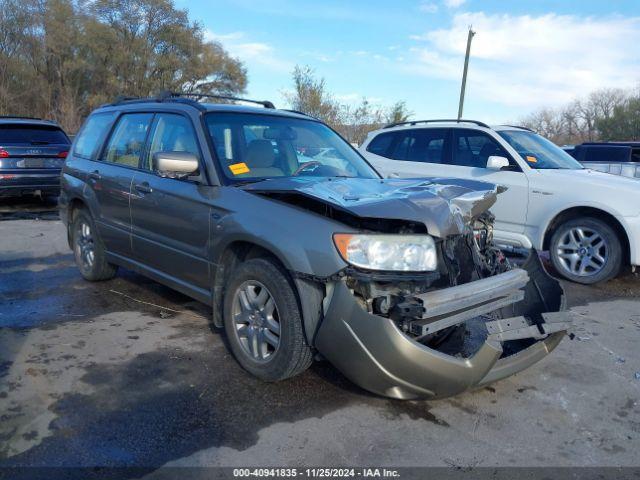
175	164
495	162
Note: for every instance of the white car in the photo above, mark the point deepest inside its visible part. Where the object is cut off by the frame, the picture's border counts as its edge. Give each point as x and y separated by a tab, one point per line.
589	221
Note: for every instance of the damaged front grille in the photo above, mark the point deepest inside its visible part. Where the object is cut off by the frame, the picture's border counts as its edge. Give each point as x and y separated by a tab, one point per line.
462	259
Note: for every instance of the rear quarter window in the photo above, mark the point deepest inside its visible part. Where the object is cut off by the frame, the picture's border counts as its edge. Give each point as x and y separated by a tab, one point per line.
381	143
92	134
24	134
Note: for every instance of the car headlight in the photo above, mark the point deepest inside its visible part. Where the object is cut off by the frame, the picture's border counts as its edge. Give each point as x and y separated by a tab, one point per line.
406	253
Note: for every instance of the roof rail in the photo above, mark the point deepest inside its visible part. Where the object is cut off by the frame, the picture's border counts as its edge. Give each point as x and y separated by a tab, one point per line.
121	100
125	98
163	96
614	143
442	120
298	112
167	96
21	117
520	126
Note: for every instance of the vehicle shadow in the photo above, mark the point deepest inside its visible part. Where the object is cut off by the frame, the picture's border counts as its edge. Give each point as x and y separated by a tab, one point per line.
29	208
162	404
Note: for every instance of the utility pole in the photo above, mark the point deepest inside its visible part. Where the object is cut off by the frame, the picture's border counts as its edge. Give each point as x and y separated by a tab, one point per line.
464	72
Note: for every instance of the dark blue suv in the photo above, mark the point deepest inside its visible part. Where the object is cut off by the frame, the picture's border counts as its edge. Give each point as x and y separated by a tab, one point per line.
32	153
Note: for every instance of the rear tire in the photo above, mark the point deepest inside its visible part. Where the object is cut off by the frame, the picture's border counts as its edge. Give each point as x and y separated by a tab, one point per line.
586	250
88	249
263	323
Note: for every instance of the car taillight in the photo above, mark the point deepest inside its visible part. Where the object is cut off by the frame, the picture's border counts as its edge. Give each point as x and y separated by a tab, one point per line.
63	154
4	153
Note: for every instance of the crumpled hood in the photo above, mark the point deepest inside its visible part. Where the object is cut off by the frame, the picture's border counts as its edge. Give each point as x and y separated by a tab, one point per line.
445	205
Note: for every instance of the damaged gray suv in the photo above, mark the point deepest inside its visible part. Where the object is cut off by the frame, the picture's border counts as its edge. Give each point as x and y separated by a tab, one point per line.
302	249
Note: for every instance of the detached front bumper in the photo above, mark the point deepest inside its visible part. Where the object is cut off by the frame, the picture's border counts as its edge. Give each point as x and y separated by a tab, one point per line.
375	354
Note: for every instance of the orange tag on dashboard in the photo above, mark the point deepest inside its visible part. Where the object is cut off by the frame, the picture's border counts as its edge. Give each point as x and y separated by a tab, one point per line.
239	168
531	159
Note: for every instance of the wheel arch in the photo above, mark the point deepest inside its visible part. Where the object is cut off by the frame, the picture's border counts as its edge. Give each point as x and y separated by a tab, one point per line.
309	294
577	212
74	204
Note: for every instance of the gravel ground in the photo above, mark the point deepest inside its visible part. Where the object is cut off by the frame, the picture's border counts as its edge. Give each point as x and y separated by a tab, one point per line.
130	373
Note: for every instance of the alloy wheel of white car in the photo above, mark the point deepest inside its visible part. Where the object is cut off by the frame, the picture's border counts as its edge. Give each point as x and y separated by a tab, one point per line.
582	251
586	250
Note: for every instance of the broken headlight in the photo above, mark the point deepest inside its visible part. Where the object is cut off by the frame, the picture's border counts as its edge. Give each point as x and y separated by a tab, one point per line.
406	253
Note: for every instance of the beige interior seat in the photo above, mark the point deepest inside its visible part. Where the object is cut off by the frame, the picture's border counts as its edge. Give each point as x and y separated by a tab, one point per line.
260	159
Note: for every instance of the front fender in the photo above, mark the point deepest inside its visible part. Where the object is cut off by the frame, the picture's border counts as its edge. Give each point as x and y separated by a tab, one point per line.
543	222
300	239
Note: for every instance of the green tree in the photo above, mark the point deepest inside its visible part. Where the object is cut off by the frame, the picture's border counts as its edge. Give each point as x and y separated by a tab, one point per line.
398	112
623	123
155	47
62	58
311	97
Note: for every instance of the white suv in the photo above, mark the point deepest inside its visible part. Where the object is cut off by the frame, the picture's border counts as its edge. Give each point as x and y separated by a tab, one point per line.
589	221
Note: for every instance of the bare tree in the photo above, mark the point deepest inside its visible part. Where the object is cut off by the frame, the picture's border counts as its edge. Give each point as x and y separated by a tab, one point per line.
604	101
580	120
360	120
353	122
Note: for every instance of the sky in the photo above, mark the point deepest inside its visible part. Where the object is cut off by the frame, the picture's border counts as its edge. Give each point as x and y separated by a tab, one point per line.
526	54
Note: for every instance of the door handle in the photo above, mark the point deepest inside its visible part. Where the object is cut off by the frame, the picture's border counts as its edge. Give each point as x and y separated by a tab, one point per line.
95	176
143	187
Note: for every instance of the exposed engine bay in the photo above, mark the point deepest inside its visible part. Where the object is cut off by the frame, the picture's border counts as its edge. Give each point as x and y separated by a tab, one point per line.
463	258
455	212
488	317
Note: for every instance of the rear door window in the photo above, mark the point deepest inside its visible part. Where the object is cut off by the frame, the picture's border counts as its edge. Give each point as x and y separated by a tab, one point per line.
24	134
92	134
425	145
404	143
171	133
128	139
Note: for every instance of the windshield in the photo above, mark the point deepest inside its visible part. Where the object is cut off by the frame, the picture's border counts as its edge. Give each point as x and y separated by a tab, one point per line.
538	152
255	147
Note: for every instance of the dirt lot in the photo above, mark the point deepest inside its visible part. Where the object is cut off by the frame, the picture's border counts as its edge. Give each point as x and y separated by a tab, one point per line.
128	372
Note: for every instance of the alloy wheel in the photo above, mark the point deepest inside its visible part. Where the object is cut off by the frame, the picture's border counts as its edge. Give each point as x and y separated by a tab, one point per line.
85	246
582	251
256	321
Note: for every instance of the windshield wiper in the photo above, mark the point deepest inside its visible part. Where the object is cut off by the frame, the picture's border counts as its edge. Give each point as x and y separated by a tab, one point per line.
249	182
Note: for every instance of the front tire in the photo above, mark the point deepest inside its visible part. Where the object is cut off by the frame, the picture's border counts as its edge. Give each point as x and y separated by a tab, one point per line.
88	249
586	250
263	323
